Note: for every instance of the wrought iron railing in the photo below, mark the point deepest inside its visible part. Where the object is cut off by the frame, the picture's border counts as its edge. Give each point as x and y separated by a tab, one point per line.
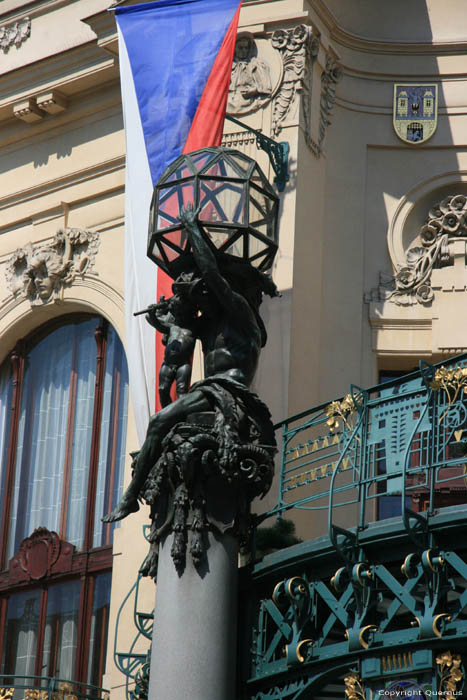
17	687
403	438
392	610
132	662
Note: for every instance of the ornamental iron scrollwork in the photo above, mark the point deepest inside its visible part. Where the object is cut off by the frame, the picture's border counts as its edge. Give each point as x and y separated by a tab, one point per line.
294	593
370	609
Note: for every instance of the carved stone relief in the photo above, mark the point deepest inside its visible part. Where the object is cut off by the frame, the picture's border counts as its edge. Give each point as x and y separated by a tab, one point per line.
441	243
41	272
14	34
251	83
331	75
298	47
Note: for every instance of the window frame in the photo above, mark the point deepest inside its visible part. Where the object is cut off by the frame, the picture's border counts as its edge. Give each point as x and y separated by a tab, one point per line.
89	562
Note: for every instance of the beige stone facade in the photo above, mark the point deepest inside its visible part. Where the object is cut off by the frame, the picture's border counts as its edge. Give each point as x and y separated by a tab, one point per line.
355	205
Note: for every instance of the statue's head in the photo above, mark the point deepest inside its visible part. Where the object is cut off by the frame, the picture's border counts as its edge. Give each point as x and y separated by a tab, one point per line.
244	48
44	271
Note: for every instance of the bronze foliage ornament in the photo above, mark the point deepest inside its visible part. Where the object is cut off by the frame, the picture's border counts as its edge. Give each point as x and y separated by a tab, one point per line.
354	689
451	674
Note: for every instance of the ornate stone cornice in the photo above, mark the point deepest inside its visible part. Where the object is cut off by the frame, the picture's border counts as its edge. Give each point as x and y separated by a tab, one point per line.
367	44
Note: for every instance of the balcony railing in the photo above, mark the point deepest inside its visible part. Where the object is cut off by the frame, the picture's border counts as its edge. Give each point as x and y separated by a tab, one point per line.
15	687
406	439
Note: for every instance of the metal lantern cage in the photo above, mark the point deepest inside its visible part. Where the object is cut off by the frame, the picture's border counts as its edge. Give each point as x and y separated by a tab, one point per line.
237	209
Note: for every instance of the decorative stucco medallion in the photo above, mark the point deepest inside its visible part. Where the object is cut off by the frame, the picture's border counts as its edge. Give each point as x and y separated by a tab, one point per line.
440	241
40	272
14	34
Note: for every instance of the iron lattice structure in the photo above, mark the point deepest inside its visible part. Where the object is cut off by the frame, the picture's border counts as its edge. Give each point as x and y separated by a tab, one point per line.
237	209
380	606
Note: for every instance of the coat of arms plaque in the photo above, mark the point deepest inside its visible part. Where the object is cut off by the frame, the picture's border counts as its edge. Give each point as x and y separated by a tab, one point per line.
415	111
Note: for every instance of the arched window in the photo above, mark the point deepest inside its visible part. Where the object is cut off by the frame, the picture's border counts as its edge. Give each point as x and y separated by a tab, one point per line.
63	416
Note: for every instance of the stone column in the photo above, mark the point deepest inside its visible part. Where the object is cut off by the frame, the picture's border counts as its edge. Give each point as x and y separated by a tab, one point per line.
194	638
200	493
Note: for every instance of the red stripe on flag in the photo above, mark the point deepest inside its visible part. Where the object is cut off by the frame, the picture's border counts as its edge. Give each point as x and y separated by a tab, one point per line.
208	123
206	130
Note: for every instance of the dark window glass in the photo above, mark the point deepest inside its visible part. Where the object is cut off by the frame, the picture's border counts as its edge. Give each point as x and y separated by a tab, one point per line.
20	640
63	417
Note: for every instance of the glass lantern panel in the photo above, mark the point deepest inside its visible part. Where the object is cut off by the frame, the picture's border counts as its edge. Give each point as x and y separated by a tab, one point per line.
256	246
262	227
237	247
171	200
258	205
222	169
261	261
218	236
201	160
243	162
156	253
179	173
177	239
222	202
259	180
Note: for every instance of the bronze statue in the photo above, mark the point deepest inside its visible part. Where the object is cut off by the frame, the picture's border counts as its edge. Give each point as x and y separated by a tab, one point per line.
176	319
226	294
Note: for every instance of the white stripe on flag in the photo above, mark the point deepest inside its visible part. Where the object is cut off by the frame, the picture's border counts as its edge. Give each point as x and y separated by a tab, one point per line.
140	272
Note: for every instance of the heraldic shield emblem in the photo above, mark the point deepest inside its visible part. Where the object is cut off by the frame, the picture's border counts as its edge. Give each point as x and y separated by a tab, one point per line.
415	111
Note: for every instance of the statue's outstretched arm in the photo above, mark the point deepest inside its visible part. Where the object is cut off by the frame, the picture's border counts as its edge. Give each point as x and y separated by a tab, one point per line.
207	264
160	320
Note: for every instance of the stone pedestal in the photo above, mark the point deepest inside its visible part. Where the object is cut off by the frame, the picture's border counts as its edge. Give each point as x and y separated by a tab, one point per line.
194	638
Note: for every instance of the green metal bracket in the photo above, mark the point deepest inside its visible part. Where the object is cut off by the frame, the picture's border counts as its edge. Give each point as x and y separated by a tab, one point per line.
278	153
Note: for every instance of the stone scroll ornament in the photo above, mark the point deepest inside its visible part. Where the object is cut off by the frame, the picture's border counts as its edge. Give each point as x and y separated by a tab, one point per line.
331	75
298	48
40	272
446	222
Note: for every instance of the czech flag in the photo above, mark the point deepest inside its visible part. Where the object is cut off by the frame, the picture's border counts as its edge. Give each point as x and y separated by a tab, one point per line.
175	65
